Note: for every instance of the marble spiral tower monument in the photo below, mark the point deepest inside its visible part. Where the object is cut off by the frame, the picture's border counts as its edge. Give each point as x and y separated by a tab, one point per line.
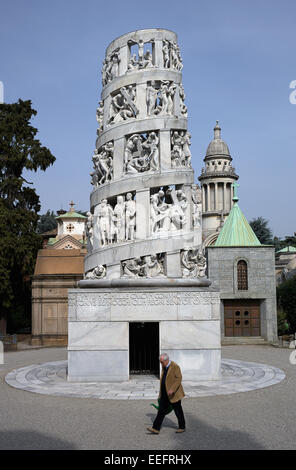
145	261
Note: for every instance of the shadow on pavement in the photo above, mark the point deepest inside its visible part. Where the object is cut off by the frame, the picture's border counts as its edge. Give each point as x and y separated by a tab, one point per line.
200	435
31	440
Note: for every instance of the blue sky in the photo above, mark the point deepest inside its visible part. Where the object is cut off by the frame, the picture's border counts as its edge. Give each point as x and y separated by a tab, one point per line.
239	60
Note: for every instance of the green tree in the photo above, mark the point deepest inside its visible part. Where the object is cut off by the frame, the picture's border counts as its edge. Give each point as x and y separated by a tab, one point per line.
287	301
46	222
262	231
20	151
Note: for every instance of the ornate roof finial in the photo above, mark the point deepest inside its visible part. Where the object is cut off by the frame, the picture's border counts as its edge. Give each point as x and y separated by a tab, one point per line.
72	204
235	186
217	131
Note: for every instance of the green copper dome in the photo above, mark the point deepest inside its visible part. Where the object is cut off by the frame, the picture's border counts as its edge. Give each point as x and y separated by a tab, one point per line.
236	231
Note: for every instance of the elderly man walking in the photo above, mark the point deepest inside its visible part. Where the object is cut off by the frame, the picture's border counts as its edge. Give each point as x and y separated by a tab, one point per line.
171	392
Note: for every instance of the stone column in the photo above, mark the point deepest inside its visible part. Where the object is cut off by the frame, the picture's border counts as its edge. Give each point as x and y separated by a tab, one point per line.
216	197
188	210
118	158
141	100
165	150
106	111
203	198
209	196
124	59
224	196
142	213
158	54
173	267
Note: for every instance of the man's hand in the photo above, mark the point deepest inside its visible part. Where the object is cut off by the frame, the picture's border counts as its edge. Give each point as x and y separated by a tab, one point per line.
170	392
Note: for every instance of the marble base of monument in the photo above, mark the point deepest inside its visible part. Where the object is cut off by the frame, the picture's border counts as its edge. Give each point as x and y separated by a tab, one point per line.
188	313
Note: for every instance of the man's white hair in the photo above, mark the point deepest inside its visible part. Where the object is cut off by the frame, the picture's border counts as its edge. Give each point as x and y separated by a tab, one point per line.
165	356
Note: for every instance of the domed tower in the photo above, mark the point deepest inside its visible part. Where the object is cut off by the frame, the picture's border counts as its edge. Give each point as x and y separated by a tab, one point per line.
216	181
145	256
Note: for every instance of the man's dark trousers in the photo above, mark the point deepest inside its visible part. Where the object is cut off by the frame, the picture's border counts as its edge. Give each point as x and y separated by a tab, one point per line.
164	403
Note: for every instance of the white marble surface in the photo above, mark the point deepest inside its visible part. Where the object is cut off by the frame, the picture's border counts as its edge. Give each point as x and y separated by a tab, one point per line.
98	366
98	335
190	335
197	364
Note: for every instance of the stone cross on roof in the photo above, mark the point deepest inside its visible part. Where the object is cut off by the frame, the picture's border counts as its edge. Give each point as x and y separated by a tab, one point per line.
72	204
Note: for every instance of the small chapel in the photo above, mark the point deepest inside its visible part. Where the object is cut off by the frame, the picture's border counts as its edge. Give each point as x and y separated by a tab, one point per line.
59	266
242	268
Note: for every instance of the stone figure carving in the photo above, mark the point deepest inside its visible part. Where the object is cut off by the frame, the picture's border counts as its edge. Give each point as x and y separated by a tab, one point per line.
130	216
110	68
201	263
166	54
193	263
151	97
97	273
180	151
144	60
116	224
105	222
171	55
100	116
183	108
141	154
89	228
145	266
196	205
103	164
122	105
167	210
119	219
160	97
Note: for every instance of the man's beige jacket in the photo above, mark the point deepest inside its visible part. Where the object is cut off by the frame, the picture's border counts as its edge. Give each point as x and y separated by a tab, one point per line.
173	382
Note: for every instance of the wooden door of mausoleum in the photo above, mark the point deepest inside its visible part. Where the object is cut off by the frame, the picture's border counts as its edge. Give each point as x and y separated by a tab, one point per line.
242	317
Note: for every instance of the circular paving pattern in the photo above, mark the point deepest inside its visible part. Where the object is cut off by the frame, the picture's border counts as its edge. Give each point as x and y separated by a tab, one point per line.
50	378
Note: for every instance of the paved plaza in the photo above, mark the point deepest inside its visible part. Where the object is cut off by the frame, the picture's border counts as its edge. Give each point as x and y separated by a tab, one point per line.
50	378
252	407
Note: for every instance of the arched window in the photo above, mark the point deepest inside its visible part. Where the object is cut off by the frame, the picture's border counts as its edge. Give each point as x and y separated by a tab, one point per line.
242	275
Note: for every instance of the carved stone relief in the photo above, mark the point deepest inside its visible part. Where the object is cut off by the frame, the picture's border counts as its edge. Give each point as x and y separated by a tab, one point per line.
116	223
167	210
180	151
97	273
183	108
103	165
142	60
100	116
122	105
141	153
196	205
171	55
160	97
110	68
193	263
144	266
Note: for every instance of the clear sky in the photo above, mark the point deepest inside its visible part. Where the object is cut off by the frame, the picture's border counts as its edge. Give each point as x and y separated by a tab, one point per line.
239	61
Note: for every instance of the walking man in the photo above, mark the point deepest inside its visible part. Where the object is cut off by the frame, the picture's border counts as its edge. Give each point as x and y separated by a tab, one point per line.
171	392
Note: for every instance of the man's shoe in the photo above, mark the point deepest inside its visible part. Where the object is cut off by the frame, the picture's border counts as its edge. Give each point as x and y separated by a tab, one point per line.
180	430
153	431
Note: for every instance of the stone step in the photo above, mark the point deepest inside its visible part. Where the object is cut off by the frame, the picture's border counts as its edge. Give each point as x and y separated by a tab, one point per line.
243	340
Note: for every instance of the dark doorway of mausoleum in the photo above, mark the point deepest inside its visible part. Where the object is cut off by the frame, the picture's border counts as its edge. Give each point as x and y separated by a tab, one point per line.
144	348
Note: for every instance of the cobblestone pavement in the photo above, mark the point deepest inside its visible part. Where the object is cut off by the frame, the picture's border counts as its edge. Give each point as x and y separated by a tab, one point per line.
263	418
50	378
